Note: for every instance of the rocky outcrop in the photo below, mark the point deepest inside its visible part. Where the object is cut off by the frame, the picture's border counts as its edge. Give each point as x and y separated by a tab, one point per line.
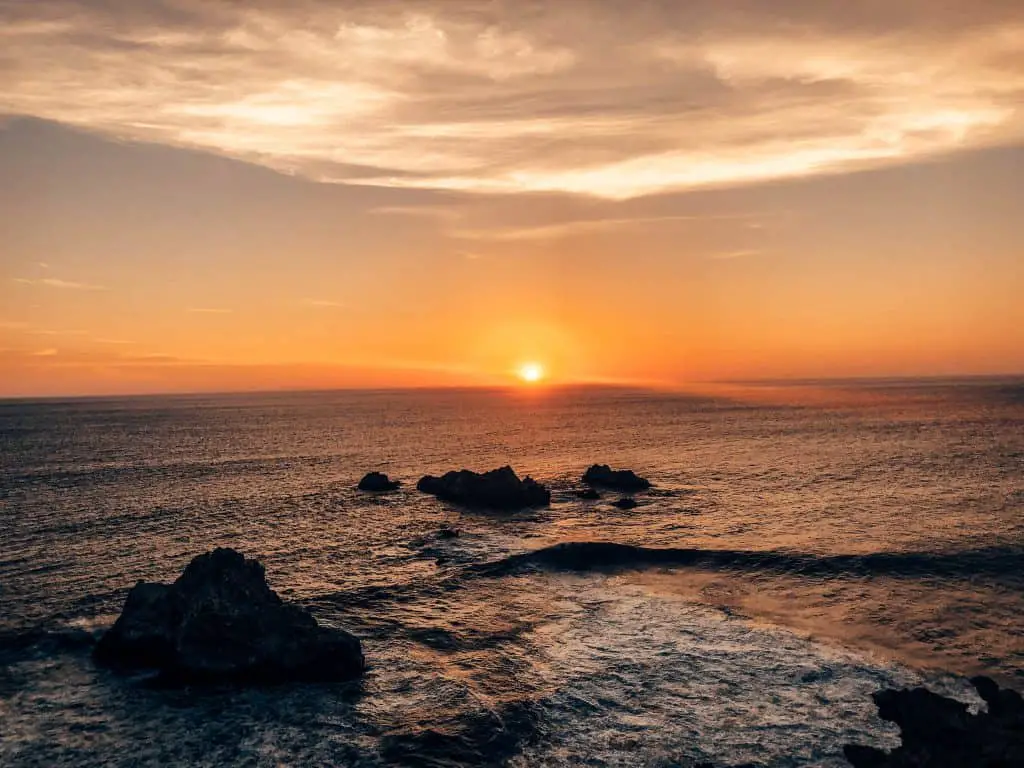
625	480
590	494
221	622
938	732
499	489
377	482
625	503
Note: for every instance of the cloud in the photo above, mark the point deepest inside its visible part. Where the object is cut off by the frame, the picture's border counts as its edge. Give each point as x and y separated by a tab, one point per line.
52	357
737	254
322	303
578	227
51	282
208	311
586	97
422	211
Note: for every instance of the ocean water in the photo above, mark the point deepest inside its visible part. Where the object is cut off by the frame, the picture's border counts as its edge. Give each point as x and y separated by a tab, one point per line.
803	546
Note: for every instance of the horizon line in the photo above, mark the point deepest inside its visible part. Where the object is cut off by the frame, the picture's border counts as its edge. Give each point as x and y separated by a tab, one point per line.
520	388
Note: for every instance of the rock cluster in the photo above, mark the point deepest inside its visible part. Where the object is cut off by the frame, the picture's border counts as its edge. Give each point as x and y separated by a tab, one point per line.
221	622
500	489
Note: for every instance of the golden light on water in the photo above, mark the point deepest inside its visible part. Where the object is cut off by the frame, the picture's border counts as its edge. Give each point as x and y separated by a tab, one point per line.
531	373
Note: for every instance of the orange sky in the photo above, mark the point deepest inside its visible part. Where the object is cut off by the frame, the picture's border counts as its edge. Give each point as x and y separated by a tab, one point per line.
214	195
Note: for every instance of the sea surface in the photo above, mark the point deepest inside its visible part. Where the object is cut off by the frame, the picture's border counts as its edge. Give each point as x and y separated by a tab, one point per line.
826	541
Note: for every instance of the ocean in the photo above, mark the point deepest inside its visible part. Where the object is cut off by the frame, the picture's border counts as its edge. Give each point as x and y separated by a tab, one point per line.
816	542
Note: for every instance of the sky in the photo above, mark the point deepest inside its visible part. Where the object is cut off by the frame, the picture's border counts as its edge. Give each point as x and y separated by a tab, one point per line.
202	195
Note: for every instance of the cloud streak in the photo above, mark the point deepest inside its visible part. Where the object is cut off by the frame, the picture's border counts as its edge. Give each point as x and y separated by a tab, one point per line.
322	303
580	227
52	282
477	96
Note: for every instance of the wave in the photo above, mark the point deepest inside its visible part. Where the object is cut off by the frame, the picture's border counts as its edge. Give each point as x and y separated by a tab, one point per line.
1002	564
994	562
18	644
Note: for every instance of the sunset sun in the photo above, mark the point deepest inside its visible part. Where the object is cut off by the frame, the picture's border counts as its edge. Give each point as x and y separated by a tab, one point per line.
531	373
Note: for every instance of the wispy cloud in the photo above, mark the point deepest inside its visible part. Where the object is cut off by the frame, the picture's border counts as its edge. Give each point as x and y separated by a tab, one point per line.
208	310
737	254
577	227
418	211
13	325
52	282
481	97
322	303
49	332
111	341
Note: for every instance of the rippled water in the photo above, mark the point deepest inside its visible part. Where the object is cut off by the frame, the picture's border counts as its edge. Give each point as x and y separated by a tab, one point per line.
802	548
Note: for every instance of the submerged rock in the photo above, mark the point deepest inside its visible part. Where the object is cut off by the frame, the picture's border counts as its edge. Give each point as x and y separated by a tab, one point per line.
625	503
499	489
377	482
588	493
221	622
939	732
618	479
447	532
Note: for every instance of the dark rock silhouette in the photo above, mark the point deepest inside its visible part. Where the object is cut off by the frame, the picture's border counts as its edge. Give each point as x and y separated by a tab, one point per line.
377	482
938	732
447	532
588	493
499	489
221	622
618	479
625	503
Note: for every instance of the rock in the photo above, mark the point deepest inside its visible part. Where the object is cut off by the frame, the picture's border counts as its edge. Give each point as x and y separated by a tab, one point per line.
618	479
587	493
499	489
221	622
938	732
377	482
446	532
625	503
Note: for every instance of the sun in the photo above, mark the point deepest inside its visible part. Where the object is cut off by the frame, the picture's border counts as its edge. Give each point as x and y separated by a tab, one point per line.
531	373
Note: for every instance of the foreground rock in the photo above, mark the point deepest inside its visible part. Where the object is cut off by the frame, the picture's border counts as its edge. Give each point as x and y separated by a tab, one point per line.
625	503
940	733
221	622
590	494
377	482
499	489
618	479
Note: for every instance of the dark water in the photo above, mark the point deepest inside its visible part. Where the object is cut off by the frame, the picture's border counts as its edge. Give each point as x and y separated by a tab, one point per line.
802	548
